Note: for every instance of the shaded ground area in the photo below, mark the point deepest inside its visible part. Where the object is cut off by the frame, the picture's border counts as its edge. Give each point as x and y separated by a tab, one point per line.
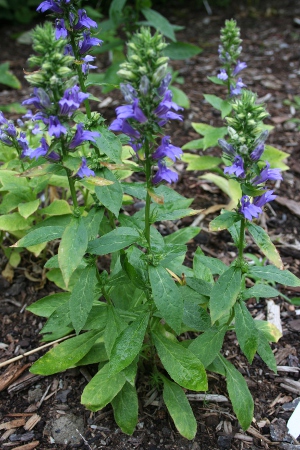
271	40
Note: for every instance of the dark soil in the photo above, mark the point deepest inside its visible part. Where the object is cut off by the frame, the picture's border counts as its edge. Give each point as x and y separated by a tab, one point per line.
271	40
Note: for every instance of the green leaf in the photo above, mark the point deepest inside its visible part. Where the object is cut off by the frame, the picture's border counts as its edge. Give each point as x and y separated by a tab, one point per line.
92	222
13	222
246	330
47	305
194	316
8	78
166	296
110	196
269	330
128	344
179	409
102	388
272	273
113	241
182	236
200	286
224	221
66	354
222	105
96	354
13	108
215	265
58	324
224	293
211	134
230	187
72	247
216	80
275	157
125	406
196	162
57	208
180	97
81	300
159	22
109	144
260	290
195	144
208	345
265	244
114	327
26	209
265	352
239	394
201	270
181	50
180	363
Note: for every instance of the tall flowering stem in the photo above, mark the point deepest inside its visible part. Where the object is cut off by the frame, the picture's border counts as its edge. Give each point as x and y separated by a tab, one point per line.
148	109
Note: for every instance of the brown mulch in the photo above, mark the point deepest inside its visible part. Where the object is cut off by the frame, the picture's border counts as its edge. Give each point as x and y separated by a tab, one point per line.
271	40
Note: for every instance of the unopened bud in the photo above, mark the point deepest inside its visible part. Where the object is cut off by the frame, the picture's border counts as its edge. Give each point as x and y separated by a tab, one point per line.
160	73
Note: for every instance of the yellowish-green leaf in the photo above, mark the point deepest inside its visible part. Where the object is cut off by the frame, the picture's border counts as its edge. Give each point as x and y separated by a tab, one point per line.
275	157
196	162
57	208
265	244
26	209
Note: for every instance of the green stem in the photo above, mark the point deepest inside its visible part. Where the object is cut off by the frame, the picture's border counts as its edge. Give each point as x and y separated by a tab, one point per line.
148	198
73	192
241	240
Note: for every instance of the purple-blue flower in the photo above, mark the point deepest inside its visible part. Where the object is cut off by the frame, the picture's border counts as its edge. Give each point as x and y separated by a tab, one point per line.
68	50
52	6
88	42
60	29
128	92
267	174
23	143
11	130
164	174
240	66
164	84
131	112
55	127
123	126
86	66
40	151
222	75
267	197
237	167
163	110
84	171
2	119
82	135
248	209
257	152
227	148
5	139
166	149
71	100
84	21
238	87
40	99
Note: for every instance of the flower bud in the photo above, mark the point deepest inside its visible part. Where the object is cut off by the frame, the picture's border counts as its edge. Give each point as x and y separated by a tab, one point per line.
162	60
160	73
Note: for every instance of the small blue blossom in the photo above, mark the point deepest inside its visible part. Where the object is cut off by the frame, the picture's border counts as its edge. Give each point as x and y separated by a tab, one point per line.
257	152
40	151
166	149
82	135
84	171
164	174
2	119
248	209
88	42
162	89
237	167
239	67
267	174
123	126
71	100
238	87
40	99
50	5
131	112
222	75
86	66
84	21
266	197
227	148
163	110
60	30
55	127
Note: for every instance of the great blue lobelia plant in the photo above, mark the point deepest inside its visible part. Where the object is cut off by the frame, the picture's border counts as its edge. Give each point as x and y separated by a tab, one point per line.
132	319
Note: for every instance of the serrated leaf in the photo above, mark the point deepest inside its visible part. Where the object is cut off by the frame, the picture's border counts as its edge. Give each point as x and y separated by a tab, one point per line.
246	330
179	409
128	345
239	394
47	305
201	286
125	406
166	296
113	241
159	22
272	273
110	196
196	162
95	355
201	270
215	265
182	236
224	221
260	290
265	244
224	293
222	105
194	316
208	345
181	50
114	327
72	247
211	134
275	157
92	222
102	388
26	209
109	144
66	354
181	364
82	296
